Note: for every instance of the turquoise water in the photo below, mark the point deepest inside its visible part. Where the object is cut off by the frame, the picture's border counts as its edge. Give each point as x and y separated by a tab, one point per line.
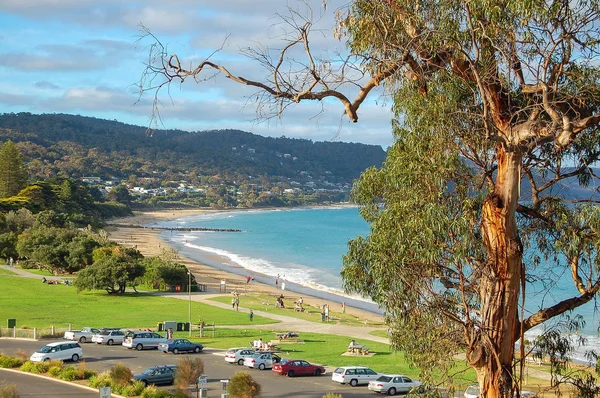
305	247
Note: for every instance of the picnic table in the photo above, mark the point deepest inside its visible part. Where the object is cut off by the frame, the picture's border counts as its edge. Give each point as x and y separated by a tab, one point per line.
358	349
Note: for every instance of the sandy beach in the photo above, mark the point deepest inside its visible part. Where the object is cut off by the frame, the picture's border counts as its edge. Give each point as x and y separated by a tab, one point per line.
149	243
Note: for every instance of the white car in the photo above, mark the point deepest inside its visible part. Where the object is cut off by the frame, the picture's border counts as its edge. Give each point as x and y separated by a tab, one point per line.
109	337
472	391
391	384
143	340
262	360
237	355
354	375
62	350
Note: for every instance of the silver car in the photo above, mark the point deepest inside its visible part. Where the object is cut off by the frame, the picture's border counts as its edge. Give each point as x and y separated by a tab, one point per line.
237	355
142	340
391	384
109	337
262	360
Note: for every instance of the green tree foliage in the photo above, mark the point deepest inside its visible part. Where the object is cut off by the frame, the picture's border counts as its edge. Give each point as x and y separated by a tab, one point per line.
13	173
242	385
57	249
120	194
114	268
162	272
497	106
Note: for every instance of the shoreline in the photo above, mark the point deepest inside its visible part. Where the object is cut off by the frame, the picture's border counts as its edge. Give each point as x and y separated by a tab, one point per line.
212	268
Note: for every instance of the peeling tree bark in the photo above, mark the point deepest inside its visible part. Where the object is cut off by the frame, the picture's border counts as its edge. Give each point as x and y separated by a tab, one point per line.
500	282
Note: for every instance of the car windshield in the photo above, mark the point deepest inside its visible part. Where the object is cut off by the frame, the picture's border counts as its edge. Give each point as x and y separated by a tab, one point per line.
256	355
384	378
150	371
472	390
104	333
46	348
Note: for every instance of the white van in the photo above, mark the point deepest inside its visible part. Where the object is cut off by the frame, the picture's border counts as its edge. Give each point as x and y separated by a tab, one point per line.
62	350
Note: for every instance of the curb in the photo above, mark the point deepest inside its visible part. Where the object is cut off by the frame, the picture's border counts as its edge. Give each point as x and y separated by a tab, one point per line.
61	381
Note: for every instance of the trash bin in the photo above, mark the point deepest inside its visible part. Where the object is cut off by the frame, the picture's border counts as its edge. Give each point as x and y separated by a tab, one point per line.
160	326
11	323
177	288
186	327
180	326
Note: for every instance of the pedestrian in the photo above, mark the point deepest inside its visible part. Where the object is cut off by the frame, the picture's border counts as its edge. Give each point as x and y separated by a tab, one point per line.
323	313
343	307
251	315
248	278
277	282
326	313
10	261
233	302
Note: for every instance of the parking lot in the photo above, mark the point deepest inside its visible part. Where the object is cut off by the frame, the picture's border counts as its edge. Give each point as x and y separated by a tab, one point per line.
101	357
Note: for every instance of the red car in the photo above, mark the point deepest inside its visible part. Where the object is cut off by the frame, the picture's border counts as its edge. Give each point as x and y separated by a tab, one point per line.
297	367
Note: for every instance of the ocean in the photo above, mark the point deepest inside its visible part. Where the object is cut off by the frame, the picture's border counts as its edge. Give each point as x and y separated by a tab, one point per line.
304	247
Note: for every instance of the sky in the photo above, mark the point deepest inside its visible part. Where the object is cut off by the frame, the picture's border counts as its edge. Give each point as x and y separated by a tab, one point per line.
87	57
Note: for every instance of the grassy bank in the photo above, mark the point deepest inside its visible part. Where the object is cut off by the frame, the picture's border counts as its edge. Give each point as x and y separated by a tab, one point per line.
35	304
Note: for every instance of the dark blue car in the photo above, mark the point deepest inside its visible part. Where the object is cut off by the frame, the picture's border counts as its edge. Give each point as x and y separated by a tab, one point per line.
179	345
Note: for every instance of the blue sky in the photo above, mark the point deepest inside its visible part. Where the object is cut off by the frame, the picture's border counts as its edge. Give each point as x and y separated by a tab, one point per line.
83	57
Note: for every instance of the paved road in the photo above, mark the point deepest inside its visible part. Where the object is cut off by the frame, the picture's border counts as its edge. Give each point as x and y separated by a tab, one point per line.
100	358
33	386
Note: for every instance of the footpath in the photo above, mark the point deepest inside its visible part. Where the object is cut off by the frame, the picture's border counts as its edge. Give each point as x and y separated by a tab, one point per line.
286	323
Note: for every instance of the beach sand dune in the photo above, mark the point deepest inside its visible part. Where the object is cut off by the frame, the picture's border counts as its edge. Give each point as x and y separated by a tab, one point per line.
148	242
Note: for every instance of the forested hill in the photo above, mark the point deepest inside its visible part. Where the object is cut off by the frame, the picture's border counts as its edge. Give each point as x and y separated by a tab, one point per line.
91	146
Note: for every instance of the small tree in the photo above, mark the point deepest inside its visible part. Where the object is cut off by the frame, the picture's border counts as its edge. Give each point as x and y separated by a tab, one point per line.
13	174
188	371
242	385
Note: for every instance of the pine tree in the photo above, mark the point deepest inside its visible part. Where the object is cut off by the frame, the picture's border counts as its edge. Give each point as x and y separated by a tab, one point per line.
13	172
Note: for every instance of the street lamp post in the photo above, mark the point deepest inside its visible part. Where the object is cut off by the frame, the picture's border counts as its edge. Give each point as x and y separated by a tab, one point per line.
190	301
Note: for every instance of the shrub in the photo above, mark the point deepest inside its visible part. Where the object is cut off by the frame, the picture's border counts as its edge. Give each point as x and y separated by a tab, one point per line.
132	390
10	362
8	391
188	371
54	371
69	373
242	385
83	372
100	380
153	392
120	375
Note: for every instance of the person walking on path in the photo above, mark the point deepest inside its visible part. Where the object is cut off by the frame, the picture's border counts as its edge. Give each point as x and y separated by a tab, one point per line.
326	313
251	315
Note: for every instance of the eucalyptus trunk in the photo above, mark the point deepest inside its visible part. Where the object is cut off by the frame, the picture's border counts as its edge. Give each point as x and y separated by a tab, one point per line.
491	348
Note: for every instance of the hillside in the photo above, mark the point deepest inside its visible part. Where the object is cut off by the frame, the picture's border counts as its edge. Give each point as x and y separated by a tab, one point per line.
79	146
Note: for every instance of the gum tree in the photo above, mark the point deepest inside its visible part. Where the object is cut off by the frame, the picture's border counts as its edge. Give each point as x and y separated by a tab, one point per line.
497	109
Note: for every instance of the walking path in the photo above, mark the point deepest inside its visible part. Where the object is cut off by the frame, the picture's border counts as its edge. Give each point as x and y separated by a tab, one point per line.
286	323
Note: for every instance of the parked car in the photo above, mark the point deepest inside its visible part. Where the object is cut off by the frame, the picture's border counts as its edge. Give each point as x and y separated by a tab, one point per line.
354	375
62	350
237	355
297	367
109	337
142	340
179	345
472	391
83	336
262	360
164	374
391	384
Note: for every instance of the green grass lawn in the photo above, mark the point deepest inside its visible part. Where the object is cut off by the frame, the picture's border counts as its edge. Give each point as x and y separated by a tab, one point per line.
266	303
35	304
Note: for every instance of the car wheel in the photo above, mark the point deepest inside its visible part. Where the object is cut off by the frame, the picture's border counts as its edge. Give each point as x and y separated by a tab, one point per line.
75	358
144	382
241	362
353	382
46	359
139	347
392	391
110	342
197	349
82	339
261	366
291	373
318	372
175	351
